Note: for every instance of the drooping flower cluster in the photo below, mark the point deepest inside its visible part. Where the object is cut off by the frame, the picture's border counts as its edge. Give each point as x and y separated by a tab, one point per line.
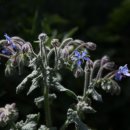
16	50
14	45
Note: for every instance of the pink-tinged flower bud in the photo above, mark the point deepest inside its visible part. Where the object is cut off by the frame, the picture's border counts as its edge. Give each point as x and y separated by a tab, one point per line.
64	53
78	72
89	64
26	47
91	45
96	63
55	42
18	40
43	37
109	65
104	60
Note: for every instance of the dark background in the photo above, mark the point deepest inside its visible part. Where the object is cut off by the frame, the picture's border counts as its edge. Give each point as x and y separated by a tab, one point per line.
105	22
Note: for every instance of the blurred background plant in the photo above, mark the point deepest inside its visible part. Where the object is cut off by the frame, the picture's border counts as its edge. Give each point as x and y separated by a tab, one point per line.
104	22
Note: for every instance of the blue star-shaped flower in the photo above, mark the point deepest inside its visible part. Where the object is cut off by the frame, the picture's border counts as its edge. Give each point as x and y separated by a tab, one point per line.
10	41
80	57
122	71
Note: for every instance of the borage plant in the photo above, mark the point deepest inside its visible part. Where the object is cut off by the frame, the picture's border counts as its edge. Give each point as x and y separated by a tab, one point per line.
45	75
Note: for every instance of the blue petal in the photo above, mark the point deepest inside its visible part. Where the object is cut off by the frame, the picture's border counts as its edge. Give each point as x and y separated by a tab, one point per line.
127	74
86	58
79	62
125	69
7	37
84	53
6	52
118	76
77	54
9	41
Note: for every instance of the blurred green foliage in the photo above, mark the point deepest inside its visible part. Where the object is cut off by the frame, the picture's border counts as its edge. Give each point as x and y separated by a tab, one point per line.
105	22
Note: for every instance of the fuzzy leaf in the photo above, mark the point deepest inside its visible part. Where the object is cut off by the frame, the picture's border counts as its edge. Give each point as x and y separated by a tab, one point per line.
110	86
35	84
96	96
10	69
82	106
72	117
61	88
29	124
43	127
39	101
21	86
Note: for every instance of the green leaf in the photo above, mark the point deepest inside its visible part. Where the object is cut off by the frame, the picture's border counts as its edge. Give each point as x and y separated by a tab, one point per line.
35	83
22	85
29	124
60	88
72	117
96	96
110	86
43	127
10	68
39	101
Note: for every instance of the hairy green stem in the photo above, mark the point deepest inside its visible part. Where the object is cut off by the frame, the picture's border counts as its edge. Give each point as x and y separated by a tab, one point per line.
56	57
86	81
91	75
45	53
47	107
49	54
99	74
110	75
46	87
41	53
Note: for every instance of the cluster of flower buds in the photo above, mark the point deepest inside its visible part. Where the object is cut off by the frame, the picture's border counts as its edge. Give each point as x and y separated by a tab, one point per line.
16	50
13	45
8	114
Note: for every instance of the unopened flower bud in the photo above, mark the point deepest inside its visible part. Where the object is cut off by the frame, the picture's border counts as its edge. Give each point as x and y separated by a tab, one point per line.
109	65
67	41
18	40
78	41
26	47
91	45
43	37
89	65
96	63
78	72
55	42
104	60
65	51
